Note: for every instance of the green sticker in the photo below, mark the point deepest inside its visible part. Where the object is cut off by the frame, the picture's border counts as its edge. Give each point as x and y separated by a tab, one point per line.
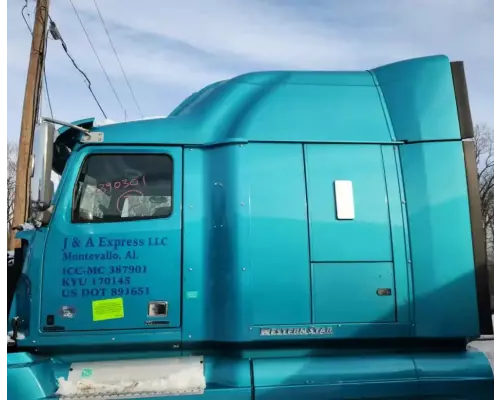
192	295
86	373
103	310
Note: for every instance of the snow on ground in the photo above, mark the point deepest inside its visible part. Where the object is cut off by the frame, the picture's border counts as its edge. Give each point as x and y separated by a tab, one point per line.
485	346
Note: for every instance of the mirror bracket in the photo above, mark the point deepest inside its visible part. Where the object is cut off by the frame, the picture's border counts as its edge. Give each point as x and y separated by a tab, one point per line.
45	215
93	137
39	206
41	215
88	136
86	132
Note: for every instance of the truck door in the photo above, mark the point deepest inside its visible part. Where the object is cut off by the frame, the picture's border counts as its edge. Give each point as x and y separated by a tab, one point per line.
357	242
113	252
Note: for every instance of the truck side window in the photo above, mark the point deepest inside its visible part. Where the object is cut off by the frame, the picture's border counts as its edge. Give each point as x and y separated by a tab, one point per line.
123	187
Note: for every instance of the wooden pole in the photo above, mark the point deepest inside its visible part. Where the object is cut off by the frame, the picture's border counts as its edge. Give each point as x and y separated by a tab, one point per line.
32	96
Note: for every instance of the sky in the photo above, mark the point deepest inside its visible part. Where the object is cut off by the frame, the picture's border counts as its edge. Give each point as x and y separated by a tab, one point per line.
170	49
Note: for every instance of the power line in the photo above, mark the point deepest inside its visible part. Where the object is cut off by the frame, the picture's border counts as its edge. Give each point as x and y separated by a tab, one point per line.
98	59
49	102
53	28
117	58
44	77
25	7
25	20
47	92
65	48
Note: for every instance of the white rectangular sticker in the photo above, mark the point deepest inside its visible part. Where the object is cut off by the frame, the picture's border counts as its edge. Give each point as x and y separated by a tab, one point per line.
344	199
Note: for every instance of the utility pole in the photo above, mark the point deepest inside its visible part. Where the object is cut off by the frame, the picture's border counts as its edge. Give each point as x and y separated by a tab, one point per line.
32	96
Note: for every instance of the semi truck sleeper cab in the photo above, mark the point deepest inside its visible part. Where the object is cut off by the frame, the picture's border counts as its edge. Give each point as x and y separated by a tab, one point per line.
279	235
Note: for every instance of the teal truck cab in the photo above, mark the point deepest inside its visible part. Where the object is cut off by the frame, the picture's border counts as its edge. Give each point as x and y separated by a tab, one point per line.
280	235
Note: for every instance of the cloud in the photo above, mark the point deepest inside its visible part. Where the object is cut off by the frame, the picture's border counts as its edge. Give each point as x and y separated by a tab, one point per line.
171	48
310	34
257	33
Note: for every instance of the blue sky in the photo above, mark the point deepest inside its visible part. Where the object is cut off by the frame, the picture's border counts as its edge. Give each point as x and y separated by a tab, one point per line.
170	49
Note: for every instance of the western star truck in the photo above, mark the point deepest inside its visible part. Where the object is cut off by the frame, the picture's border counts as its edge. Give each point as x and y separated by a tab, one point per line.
280	235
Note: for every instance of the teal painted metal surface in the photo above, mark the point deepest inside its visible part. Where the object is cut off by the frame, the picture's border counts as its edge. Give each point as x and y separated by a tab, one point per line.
420	99
255	253
399	232
35	377
462	375
326	108
342	291
376	377
29	285
275	247
441	250
367	237
85	262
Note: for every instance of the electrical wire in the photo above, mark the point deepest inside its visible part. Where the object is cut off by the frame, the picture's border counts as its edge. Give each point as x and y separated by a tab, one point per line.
89	84
25	20
98	59
87	80
117	58
65	48
47	93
